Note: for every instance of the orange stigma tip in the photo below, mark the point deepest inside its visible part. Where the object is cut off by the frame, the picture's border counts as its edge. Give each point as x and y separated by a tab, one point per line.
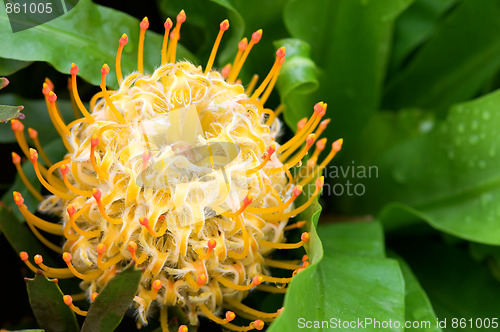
64	169
181	17
144	23
320	145
168	24
305	237
305	258
146	156
33	155
310	139
46	88
144	221
132	246
224	25
71	210
101	248
318	108
226	70
324	123
183	328
18	198
33	133
73	71
280	310
105	69
97	194
93	296
230	316
23	255
280	53
305	264
68	300
38	259
297	190
320	181
212	243
52	97
16	125
94	141
248	199
67	257
157	285
15	158
337	145
257	280
123	39
258	324
270	149
201	280
243	44
256	36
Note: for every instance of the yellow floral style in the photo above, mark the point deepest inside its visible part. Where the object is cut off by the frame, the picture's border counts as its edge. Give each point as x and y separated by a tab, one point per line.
180	172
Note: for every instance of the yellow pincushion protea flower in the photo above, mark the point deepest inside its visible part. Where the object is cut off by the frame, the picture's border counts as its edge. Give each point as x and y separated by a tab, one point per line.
180	172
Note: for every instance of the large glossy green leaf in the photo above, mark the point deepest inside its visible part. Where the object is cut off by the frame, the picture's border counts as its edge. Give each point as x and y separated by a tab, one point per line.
415	26
352	281
350	42
46	300
457	286
113	300
88	36
449	175
462	55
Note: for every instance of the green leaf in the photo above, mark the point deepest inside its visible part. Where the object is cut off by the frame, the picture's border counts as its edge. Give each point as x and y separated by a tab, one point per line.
298	75
9	66
37	118
113	301
462	55
350	41
46	300
10	112
415	26
418	308
88	36
457	286
335	287
449	175
20	237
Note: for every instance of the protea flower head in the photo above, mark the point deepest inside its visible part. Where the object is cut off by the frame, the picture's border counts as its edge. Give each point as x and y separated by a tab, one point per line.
180	172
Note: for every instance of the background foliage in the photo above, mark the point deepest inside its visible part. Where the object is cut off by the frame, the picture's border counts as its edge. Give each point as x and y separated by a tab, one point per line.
410	86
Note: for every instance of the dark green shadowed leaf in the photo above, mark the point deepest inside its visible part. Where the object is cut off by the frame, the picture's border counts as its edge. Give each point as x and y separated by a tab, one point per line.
350	42
9	66
88	36
336	287
462	55
450	175
21	238
46	300
457	286
415	26
113	301
298	75
418	308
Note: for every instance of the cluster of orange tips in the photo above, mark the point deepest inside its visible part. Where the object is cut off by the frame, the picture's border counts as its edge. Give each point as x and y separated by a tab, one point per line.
201	210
